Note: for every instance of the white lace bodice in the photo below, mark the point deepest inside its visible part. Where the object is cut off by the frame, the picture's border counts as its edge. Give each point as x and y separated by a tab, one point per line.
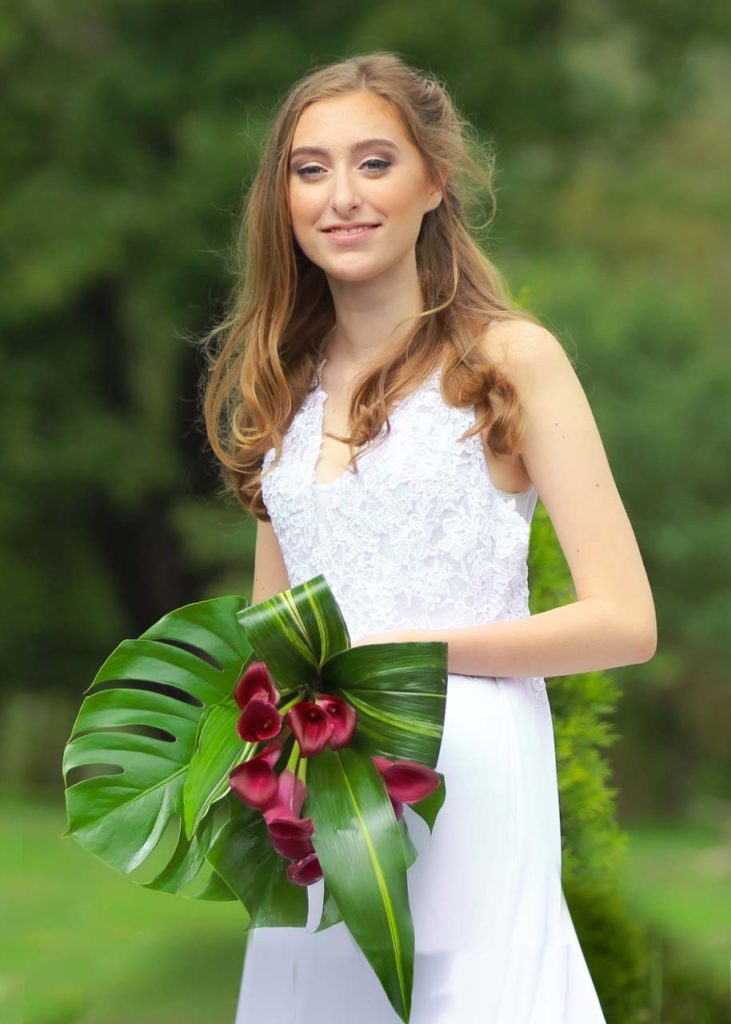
420	538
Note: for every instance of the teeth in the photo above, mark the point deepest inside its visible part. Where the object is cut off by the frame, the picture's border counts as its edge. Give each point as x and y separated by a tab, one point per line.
349	231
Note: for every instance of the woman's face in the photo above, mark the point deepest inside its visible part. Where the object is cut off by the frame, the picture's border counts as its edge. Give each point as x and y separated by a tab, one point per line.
352	163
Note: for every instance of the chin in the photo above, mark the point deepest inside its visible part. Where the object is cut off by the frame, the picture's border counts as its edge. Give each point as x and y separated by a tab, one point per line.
372	265
353	274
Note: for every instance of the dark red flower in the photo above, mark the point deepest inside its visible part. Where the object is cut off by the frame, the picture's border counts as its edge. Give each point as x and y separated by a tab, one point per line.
254	781
305	871
343	717
291	837
407	781
259	720
312	727
255	682
289	797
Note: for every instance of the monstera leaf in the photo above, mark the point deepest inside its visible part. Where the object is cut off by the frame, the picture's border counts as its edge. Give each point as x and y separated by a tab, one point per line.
179	672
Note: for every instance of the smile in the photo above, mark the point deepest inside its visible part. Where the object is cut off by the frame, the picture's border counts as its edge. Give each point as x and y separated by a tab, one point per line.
341	235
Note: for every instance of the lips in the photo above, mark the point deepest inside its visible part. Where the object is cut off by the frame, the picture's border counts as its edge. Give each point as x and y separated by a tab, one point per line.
349	227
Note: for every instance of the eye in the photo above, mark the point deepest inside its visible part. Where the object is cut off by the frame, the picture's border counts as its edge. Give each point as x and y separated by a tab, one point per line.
372	164
376	160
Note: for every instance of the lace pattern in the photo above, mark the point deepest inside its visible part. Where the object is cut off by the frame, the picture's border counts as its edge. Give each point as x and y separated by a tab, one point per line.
420	538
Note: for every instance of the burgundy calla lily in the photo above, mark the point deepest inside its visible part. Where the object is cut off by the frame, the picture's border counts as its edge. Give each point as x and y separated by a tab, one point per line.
254	781
260	720
291	837
255	682
289	797
305	871
312	726
289	834
343	717
407	781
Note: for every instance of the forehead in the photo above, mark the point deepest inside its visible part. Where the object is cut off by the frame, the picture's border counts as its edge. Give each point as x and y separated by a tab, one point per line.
340	121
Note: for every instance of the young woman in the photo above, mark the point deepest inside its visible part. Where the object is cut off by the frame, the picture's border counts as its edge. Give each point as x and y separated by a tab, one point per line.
390	419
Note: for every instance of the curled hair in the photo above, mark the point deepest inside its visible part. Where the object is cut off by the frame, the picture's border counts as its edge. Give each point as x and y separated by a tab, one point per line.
262	356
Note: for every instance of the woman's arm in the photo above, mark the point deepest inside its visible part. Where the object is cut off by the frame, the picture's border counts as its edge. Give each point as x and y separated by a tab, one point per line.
612	622
270	572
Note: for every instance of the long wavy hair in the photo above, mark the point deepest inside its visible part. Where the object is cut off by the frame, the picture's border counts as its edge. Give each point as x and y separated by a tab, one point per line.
262	357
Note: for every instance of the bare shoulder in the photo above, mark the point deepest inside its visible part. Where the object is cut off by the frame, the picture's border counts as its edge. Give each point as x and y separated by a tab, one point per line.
536	364
524	351
555	405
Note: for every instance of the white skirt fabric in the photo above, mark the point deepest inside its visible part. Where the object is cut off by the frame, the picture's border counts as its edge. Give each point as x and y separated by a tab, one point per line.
494	939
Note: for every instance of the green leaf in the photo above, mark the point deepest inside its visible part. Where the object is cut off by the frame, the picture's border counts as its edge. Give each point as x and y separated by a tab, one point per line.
186	861
411	854
296	631
429	807
216	890
121	812
219	749
360	848
209	626
244	857
330	910
399	693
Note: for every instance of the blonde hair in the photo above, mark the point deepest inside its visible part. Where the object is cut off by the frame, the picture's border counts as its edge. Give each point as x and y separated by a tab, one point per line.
262	356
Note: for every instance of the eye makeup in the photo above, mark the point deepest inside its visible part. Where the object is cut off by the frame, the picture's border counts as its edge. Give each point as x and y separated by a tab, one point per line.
304	171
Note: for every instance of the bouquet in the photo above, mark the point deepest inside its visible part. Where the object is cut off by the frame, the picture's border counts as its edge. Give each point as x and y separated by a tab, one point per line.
278	754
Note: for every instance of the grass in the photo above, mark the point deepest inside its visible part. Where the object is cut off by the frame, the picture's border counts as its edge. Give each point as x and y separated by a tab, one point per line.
677	879
91	947
84	945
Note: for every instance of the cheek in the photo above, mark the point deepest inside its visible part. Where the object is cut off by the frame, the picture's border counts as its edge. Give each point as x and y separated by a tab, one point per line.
398	200
303	204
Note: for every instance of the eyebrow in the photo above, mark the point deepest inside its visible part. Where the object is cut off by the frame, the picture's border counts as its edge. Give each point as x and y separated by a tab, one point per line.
356	147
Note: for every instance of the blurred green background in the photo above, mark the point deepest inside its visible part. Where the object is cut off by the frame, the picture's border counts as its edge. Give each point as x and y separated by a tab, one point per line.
130	133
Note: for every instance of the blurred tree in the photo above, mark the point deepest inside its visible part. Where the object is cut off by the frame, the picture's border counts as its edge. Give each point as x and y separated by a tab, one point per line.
132	130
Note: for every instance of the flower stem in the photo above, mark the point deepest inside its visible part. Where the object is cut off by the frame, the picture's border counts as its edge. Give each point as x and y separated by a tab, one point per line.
285	707
302	769
292	763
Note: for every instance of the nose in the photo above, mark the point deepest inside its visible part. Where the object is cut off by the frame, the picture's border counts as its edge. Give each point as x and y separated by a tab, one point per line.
345	195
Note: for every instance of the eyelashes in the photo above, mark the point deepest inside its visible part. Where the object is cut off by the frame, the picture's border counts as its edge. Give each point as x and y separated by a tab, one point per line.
304	172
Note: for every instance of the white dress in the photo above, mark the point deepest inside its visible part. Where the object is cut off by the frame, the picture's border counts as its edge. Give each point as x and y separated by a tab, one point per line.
421	538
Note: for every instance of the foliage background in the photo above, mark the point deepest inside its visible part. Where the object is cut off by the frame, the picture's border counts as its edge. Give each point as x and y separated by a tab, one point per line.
130	134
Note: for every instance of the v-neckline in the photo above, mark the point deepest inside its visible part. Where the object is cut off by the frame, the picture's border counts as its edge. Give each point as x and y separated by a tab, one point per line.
320	396
506	499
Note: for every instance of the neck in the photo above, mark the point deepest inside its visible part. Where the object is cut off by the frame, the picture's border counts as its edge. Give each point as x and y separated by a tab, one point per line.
373	316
